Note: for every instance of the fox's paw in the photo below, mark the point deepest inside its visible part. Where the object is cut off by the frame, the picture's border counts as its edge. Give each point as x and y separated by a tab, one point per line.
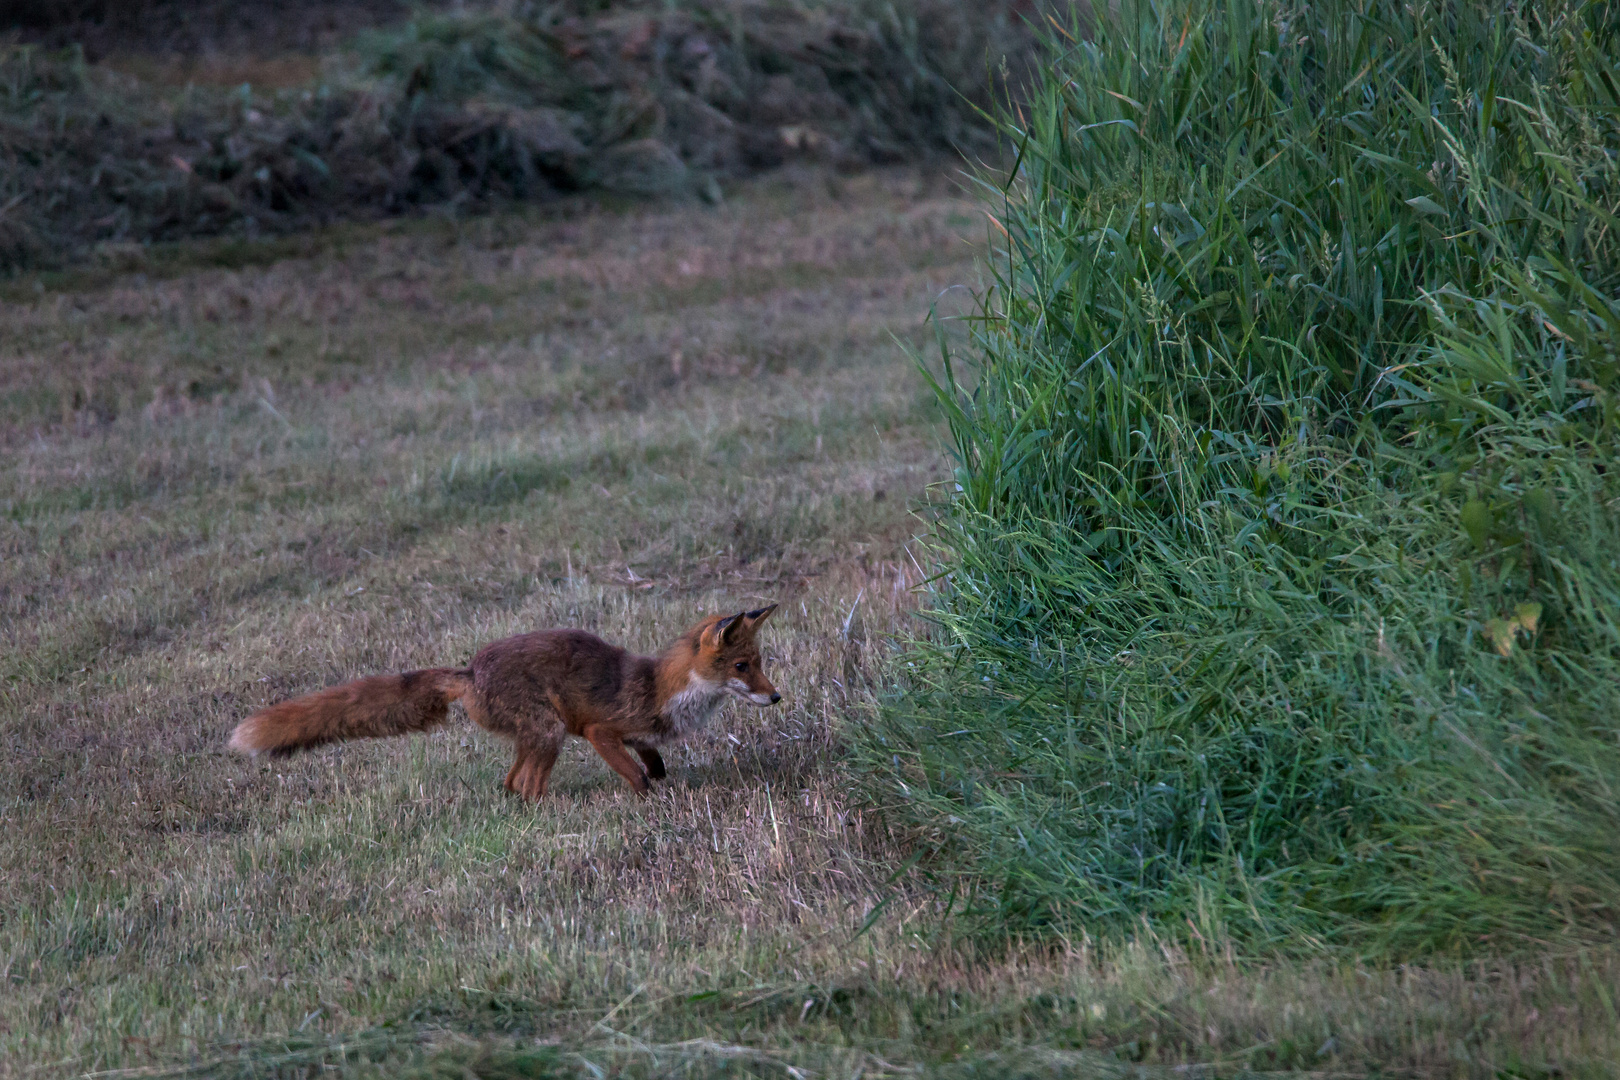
653	761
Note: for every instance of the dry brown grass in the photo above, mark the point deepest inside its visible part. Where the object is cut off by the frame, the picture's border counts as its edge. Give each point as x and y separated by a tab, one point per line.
225	486
283	72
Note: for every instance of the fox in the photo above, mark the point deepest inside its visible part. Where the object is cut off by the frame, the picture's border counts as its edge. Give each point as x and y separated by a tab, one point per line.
537	688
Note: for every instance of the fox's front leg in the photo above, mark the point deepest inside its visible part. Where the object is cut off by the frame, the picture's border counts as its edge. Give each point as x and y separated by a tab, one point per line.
653	760
610	745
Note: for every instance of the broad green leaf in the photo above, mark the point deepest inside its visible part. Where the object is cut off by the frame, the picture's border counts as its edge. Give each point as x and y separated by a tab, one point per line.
1425	205
1476	522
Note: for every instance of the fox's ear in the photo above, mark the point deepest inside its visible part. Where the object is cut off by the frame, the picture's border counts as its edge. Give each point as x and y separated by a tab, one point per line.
725	631
759	615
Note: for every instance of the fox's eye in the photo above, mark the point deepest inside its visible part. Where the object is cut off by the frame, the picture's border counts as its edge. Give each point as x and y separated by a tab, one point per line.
742	665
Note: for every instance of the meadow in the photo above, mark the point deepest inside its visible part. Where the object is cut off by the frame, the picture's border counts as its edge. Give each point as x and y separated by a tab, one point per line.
229	483
241	467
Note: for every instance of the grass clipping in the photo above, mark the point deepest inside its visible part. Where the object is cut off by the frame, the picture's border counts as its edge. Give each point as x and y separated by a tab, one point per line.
1282	590
461	110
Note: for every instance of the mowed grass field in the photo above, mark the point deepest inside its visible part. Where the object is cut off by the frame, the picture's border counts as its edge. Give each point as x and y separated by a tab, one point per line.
235	474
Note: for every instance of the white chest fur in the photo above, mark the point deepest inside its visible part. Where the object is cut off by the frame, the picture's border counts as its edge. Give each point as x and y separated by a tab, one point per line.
689	710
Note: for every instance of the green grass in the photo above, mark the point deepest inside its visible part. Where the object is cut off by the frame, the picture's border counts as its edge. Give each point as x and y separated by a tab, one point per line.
1279	591
464	431
195	521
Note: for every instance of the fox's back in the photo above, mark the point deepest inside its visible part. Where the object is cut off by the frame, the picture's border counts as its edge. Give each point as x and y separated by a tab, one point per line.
571	672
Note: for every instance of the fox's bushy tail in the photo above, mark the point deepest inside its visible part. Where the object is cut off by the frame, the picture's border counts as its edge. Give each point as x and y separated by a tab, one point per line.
364	709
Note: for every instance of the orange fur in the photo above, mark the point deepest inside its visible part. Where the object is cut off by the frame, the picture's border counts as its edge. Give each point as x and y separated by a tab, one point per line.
537	688
371	708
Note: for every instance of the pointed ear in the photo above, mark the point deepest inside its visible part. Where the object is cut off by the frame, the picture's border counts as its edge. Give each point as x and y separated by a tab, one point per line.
735	626
725	631
759	615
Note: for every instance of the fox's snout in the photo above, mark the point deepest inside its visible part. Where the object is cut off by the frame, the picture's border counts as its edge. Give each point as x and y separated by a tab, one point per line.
755	692
761	692
755	697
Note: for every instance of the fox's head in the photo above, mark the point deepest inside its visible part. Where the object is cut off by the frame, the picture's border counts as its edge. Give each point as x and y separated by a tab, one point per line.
728	656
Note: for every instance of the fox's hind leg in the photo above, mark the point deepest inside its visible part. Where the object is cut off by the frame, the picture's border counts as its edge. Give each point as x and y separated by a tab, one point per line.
531	769
538	739
535	729
519	764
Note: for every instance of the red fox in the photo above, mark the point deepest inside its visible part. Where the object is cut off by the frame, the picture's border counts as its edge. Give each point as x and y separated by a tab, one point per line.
536	688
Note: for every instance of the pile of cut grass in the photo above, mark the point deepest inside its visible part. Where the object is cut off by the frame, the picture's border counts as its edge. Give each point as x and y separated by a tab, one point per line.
200	33
468	109
1282	589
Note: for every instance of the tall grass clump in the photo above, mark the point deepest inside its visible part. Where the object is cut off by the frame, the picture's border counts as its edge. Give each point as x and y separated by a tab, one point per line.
1282	591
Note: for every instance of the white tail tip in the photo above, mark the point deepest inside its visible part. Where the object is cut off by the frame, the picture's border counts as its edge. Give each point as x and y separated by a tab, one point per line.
244	740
